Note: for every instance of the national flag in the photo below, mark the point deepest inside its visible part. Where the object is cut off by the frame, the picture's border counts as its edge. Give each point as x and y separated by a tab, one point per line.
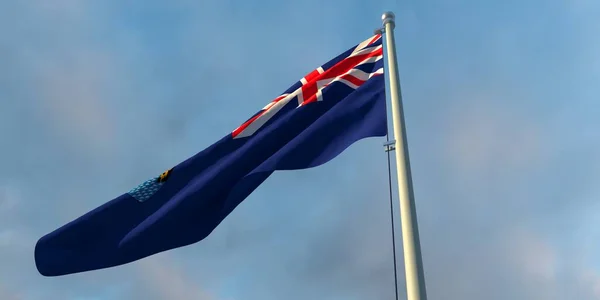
312	122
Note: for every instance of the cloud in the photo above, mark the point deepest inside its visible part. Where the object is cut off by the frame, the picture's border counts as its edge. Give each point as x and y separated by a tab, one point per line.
74	97
516	264
161	279
590	280
73	76
7	295
531	255
15	239
485	134
9	199
135	87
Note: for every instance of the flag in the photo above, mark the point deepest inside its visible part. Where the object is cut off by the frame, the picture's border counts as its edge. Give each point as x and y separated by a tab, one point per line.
312	122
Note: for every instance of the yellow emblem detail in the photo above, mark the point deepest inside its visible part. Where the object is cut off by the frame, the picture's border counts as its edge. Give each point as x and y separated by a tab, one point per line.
163	177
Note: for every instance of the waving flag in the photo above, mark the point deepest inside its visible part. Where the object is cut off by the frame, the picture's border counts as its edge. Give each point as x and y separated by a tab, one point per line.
316	119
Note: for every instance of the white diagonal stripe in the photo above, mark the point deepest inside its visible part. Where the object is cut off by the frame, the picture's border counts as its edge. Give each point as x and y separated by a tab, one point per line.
365	51
362	45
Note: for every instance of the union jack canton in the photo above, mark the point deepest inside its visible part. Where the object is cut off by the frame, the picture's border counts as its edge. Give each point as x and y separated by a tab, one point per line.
352	68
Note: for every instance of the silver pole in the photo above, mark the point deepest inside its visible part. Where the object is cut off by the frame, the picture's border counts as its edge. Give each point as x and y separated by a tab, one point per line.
413	263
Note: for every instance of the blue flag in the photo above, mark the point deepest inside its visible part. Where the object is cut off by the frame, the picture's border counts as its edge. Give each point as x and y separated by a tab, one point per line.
316	119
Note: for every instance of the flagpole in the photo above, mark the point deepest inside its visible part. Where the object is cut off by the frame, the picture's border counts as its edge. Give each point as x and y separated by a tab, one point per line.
413	262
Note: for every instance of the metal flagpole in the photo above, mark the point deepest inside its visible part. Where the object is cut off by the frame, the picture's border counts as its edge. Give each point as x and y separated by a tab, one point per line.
413	263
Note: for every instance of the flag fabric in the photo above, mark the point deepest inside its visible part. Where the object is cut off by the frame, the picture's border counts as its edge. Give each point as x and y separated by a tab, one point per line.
312	122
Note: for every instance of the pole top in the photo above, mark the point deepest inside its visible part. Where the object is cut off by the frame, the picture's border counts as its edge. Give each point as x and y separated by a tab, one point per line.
388	17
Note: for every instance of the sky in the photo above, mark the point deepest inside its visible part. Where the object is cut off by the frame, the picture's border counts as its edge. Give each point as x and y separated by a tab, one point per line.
98	96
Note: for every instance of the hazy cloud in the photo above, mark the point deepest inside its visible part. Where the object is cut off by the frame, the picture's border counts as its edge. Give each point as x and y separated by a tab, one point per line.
6	295
501	114
162	280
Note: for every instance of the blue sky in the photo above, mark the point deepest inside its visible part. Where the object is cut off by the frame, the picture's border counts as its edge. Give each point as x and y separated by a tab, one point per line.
501	107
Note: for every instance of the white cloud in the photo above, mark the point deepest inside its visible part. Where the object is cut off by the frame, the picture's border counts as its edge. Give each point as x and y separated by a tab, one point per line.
532	256
15	239
9	199
70	78
544	271
5	294
166	281
590	280
486	134
76	80
75	96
